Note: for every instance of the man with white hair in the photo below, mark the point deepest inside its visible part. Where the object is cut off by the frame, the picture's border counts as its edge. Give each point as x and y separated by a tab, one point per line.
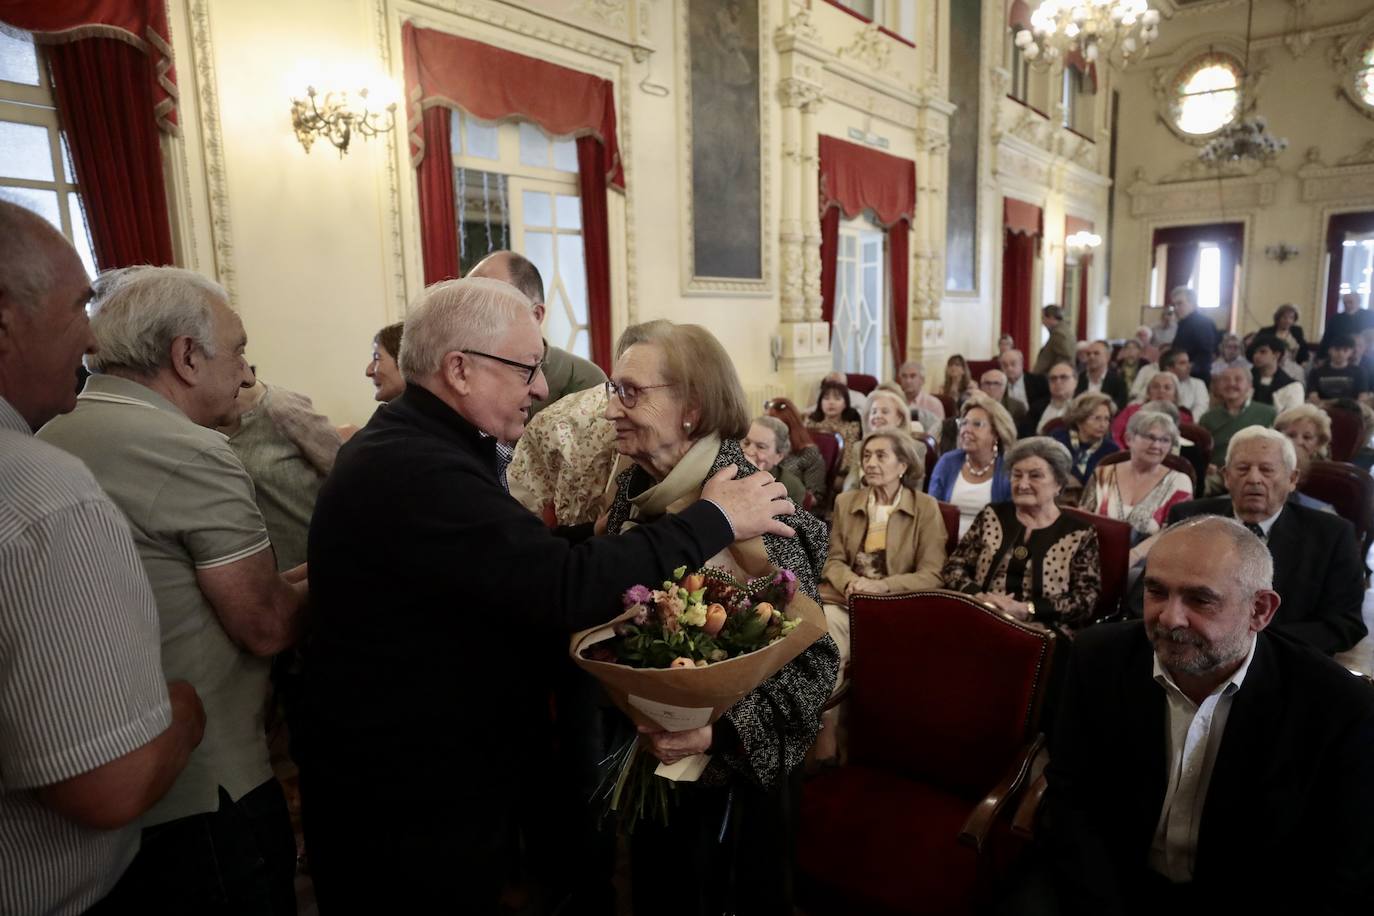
1317	568
1195	746
993	383
1022	386
431	585
1196	336
91	736
911	376
168	370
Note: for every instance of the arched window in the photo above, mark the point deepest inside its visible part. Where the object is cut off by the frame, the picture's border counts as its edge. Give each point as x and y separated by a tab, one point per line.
1206	94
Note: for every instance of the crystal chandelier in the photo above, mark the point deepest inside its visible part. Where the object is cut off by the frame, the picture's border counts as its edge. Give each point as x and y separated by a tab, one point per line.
1115	30
1245	139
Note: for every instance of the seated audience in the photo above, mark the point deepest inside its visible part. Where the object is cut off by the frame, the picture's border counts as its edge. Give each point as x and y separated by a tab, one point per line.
1025	557
1129	359
91	735
1084	434
1163	386
1317	568
288	450
1294	355
766	445
1140	492
1145	337
958	381
1004	343
1195	745
565	458
1235	411
1230	355
1021	385
1098	374
1364	455
833	414
1055	404
399	813
1163	333
167	372
386	377
973	475
857	399
1349	321
803	458
565	373
1192	392
924	406
1308	427
887	408
885	538
1271	384
994	385
1340	377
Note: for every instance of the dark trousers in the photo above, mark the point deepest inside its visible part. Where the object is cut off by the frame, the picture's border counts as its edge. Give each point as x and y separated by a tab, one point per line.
397	849
737	844
238	861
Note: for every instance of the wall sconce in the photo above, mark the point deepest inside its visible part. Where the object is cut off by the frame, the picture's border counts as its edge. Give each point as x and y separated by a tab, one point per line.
336	118
1082	242
1281	252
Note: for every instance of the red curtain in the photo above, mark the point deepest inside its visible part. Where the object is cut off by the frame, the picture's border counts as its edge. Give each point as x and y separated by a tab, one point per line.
438	213
596	243
141	24
830	253
106	110
1018	266
854	179
1336	230
444	71
1023	224
1019	16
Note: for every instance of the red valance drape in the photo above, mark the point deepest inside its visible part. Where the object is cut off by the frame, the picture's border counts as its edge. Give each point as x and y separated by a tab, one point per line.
853	179
493	84
140	23
1019	16
1075	60
1019	216
1336	230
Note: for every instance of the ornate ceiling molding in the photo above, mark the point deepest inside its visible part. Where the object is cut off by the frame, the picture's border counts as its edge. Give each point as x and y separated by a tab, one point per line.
1176	196
1350	179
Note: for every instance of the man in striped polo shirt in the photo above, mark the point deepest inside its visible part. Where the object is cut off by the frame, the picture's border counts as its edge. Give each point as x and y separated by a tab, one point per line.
90	735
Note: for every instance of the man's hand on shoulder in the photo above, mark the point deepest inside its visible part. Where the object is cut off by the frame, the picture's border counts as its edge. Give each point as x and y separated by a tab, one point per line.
750	503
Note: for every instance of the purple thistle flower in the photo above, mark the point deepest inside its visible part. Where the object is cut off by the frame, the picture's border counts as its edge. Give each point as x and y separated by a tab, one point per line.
788	582
637	594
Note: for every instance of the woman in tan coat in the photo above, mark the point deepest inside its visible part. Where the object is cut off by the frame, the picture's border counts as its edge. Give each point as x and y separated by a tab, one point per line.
885	538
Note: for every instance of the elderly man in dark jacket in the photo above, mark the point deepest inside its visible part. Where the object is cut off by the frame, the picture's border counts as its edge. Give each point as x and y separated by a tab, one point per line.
430	586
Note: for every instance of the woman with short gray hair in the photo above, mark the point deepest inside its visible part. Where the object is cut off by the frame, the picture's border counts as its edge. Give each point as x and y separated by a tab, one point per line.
766	445
1140	491
1086	424
1026	558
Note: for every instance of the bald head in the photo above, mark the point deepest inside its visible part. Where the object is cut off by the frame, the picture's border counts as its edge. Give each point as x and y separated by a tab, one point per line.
517	270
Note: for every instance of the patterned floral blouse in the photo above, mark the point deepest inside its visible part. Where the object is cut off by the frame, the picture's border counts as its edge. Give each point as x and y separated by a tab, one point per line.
1059	571
848	430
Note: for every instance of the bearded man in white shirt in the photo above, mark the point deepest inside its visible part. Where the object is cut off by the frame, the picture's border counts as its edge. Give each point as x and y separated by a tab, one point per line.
1198	763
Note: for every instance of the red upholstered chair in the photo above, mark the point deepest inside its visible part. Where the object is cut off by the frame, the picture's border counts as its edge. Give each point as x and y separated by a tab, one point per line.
860	382
1114	545
1052	425
950	515
828	444
1350	490
1199	454
976	368
1173	462
932	453
944	708
951	408
1345	432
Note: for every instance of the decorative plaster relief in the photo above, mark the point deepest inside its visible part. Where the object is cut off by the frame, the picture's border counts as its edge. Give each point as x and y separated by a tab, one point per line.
870	48
842	88
610	12
1205	196
212	142
1345	59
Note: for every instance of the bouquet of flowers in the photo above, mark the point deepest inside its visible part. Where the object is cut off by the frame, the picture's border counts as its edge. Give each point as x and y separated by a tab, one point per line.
682	654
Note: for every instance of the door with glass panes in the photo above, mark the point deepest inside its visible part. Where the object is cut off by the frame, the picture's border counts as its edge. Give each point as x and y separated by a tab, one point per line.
858	337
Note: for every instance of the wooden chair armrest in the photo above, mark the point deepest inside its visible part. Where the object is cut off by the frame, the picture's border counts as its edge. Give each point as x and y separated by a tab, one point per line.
981	819
839	696
1023	821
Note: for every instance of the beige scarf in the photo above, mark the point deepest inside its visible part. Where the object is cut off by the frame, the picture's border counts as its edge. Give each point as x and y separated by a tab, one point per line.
680	489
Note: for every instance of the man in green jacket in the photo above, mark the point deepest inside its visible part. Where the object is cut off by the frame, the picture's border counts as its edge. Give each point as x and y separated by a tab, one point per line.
1060	347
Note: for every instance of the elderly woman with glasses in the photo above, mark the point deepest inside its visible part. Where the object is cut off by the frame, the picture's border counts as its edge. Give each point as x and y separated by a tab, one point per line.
678	410
382	369
1025	557
1140	491
803	459
1084	434
973	475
